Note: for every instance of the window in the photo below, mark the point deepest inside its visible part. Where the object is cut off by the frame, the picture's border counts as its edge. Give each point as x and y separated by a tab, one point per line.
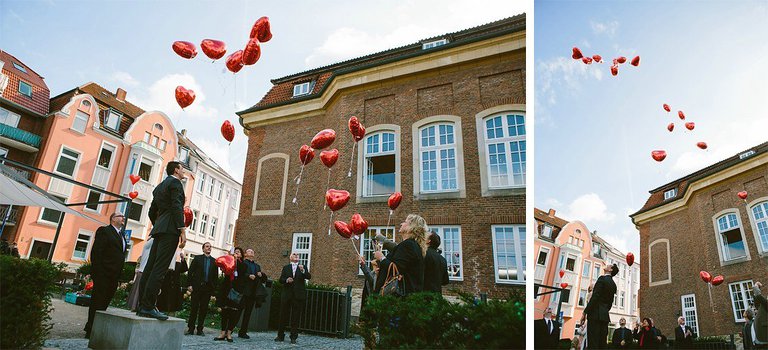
566	296
615	300
597	271
689	312
85	105
570	263
450	243
137	207
670	194
147	136
302	245
368	245
9	118
145	169
81	122
301	89
542	259
741	297
201	183
582	298
220	191
546	231
93	196
81	246
621	299
211	185
585	271
731	240
438	158
25	89
432	44
509	253
233	198
67	163
203	223
379	165
158	128
163	145
505	144
19	67
746	154
51	215
212	234
113	120
760	218
154	141
3	153
195	215
183	154
105	156
229	233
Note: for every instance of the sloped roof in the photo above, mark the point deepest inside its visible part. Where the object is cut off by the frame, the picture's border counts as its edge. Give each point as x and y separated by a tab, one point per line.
105	100
38	103
201	156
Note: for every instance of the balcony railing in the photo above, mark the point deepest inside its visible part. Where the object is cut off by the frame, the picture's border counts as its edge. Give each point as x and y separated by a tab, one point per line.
19	135
14	214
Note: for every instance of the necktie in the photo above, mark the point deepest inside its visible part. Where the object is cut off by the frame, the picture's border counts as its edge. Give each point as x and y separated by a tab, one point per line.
549	326
205	269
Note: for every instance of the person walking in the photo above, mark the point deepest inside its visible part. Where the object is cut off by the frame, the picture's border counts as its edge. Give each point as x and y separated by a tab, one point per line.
435	266
107	257
227	299
170	297
294	294
408	255
202	278
598	308
254	292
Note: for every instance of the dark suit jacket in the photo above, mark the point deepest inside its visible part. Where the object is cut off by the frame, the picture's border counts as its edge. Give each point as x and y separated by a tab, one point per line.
107	254
747	335
407	256
681	341
435	271
167	209
601	301
196	274
542	337
254	287
619	334
298	289
649	340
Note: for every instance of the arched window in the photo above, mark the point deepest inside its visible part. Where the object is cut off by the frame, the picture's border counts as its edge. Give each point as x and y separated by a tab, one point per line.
760	219
505	149
158	129
379	164
730	238
437	145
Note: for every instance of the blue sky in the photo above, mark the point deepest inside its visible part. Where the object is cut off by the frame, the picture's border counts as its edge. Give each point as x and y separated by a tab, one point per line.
128	44
595	132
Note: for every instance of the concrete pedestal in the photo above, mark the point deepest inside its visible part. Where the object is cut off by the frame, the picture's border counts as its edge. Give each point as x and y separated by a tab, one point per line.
122	329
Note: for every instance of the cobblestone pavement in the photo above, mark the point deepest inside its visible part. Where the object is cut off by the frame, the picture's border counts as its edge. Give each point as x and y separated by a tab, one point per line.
68	321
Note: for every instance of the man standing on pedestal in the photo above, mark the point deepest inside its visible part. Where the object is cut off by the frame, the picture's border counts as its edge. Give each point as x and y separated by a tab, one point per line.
294	294
107	257
202	279
167	216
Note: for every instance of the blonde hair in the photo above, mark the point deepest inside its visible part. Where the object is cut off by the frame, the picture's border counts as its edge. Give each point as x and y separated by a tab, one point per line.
418	229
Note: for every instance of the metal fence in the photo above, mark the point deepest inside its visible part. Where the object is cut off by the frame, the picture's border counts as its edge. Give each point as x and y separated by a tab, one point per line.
327	312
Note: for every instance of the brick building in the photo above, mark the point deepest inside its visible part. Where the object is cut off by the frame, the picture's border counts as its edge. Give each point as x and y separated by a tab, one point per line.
23	111
697	223
445	120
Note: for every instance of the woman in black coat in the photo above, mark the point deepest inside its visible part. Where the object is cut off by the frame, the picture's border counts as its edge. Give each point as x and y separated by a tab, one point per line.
230	310
408	255
170	298
646	335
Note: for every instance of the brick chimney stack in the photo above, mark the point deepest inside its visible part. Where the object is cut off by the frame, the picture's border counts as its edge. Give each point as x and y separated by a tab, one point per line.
120	94
551	213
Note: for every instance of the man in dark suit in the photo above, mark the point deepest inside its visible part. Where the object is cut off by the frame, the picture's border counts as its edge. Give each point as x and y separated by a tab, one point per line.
293	278
683	335
598	308
622	336
253	290
107	257
202	278
435	266
546	331
167	216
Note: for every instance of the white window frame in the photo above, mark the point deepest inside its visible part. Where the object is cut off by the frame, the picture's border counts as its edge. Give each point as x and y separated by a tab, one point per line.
143	204
367	187
579	300
77	161
761	241
42	211
22	83
519	253
548	251
586	266
302	89
151	170
8	115
366	237
546	230
233	198
438	148
307	251
158	126
163	144
201	186
483	156
440	230
669	194
575	262
83	117
195	218
147	137
87	199
695	324
362	164
211	184
203	224
719	239
220	191
85	106
622	299
597	271
154	140
87	246
435	43
745	292
107	145
230	229
506	141
113	115
213	223
183	154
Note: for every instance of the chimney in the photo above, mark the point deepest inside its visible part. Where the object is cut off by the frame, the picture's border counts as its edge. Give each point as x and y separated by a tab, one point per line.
184	133
120	94
551	213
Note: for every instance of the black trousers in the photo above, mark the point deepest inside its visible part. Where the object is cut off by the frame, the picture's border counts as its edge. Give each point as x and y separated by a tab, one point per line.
160	255
103	292
597	334
229	318
247	305
201	297
290	308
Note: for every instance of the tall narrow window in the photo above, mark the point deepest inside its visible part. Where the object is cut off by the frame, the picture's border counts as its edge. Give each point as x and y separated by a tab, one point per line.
760	214
368	245
379	165
450	244
203	223
106	156
211	185
195	217
220	191
137	209
93	198
731	240
585	270
438	158
81	122
113	119
145	169
183	154
212	234
509	253
81	246
302	245
201	182
542	259
741	297
67	163
689	312
506	150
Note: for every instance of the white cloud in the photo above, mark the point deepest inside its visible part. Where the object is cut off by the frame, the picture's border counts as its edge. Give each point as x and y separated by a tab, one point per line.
588	208
217	150
552	203
609	28
125	79
561	74
161	96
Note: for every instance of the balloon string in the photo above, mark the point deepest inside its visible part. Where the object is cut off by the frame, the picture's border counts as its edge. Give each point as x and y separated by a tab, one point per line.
234	98
327	183
298	183
388	218
710	297
355	246
351	159
330	222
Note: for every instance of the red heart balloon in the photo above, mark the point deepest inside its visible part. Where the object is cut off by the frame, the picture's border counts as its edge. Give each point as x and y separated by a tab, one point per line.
702	145
133	194
705	276
336	199
188	216
563	285
228	131
658	155
357	224
343	229
184	49
630	259
261	30
226	263
666	108
681	115
621	59
214	49
394	200
717	280
235	61
134	178
635	61
89	285
357	129
306	154
597	59
252	52
614	70
671	127
360	133
742	195
690	125
323	139
586	60
329	158
562	273
184	97
577	54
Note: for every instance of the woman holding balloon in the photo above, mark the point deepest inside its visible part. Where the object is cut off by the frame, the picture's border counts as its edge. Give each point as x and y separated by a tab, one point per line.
409	254
234	275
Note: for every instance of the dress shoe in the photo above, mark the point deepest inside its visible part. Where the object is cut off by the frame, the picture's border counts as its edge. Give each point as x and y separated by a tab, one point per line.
219	338
153	314
200	332
279	338
293	341
190	331
244	336
230	340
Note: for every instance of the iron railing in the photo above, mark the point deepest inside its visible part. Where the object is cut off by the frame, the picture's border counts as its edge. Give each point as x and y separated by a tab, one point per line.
14	214
327	312
22	136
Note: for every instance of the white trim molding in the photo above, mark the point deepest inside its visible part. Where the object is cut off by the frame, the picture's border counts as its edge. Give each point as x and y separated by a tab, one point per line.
280	211
719	238
361	159
753	223
486	191
651	283
461	190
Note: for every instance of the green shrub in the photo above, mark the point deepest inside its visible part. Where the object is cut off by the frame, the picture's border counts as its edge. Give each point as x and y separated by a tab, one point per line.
422	320
129	269
25	294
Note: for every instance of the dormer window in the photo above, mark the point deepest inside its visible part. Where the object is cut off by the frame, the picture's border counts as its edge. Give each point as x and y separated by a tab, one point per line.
19	67
302	89
431	44
113	119
746	154
670	194
546	231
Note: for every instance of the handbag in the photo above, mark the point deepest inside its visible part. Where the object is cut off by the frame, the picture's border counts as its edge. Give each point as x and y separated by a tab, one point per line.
392	283
235	296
